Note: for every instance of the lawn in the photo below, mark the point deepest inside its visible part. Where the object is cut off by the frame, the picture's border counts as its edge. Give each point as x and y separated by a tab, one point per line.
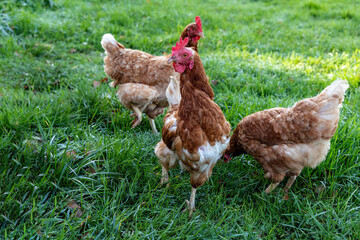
72	168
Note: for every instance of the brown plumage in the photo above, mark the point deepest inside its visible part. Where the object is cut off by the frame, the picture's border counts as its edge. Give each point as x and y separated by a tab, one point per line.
142	77
195	131
285	140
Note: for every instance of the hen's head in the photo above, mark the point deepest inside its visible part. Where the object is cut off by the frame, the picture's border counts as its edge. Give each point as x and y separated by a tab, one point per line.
182	57
194	30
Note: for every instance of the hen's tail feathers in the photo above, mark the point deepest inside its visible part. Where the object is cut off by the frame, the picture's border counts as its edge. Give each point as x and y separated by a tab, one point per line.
331	99
336	89
109	44
173	91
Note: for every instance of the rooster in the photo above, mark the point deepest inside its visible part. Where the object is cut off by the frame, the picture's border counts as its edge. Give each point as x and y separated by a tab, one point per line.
195	132
143	78
285	140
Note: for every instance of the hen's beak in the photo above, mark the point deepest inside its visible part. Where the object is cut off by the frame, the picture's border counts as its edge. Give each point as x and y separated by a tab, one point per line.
171	59
201	34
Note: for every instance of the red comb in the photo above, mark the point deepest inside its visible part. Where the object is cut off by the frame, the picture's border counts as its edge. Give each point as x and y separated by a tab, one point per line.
180	44
198	23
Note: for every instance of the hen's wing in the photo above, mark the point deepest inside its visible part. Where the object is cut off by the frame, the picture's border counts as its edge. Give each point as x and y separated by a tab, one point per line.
309	119
165	150
133	66
169	129
136	94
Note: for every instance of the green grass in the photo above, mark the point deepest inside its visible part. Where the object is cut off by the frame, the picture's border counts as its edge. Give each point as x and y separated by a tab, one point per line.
63	140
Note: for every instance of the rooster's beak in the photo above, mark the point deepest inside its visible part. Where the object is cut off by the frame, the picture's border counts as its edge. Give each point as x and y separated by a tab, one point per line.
201	34
171	59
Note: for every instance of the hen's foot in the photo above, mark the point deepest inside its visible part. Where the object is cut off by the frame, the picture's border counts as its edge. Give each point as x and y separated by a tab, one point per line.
164	176
153	126
137	116
289	183
136	121
191	204
188	208
271	187
165	180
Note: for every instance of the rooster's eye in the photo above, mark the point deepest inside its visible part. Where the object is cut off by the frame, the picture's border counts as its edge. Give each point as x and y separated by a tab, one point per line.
185	55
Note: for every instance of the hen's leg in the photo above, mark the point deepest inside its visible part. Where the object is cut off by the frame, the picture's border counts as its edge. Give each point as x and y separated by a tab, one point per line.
289	183
167	158
138	116
164	175
197	180
275	176
271	187
152	124
191	203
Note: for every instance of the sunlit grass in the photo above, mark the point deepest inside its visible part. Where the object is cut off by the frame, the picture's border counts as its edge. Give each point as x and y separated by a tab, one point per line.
63	140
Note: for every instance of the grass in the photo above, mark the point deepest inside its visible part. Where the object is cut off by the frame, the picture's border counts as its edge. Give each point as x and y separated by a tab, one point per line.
66	145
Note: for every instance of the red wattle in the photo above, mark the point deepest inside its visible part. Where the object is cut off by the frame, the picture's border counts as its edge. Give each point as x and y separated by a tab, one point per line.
226	157
195	39
179	67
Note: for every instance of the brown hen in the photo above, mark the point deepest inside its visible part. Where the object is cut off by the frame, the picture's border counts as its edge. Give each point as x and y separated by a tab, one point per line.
285	140
195	132
142	77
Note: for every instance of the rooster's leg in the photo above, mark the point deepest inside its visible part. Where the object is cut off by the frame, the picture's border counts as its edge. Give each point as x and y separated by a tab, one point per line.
152	124
191	203
138	115
271	187
289	183
165	175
